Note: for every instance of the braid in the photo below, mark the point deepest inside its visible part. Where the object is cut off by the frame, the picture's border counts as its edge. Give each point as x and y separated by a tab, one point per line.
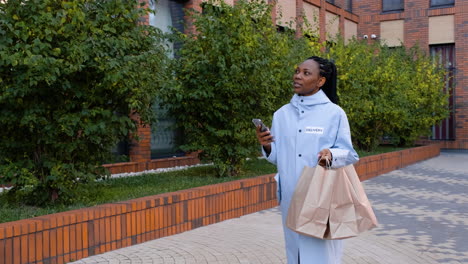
327	70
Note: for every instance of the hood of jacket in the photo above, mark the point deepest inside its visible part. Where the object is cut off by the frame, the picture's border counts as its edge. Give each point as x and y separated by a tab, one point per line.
307	102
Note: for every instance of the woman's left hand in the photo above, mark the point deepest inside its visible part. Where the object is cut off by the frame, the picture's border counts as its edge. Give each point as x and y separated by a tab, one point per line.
323	156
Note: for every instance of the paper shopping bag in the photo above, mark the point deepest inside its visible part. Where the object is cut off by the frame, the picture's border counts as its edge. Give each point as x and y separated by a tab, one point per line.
330	204
309	210
350	210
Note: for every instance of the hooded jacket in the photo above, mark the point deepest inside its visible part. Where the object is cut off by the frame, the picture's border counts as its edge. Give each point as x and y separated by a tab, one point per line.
301	129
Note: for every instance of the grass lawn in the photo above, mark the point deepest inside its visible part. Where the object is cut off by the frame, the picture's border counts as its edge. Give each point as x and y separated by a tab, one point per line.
378	150
121	189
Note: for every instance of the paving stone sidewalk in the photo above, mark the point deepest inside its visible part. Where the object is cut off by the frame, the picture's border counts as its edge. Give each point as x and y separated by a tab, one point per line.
422	210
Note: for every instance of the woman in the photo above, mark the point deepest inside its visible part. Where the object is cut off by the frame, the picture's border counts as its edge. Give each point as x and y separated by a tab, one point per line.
309	129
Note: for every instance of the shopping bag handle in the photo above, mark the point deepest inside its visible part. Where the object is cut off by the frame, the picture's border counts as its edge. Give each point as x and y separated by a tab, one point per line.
327	163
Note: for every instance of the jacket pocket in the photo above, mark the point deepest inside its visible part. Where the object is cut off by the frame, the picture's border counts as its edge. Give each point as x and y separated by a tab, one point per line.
278	187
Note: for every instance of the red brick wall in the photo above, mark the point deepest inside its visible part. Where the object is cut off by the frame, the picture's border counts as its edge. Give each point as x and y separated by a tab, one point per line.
299	14
62	237
140	143
324	7
372	166
336	9
461	92
123	167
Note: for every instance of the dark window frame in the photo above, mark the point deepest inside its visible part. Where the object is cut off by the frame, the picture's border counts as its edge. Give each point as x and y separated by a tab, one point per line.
348	5
437	5
392	3
444	56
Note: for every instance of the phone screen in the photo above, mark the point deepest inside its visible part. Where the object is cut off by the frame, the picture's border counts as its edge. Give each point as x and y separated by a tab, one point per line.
258	122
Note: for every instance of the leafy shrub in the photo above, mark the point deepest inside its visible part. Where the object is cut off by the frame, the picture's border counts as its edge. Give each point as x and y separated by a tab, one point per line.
426	101
71	72
235	67
388	92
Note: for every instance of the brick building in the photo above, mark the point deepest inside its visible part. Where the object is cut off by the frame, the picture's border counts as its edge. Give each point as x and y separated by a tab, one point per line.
438	26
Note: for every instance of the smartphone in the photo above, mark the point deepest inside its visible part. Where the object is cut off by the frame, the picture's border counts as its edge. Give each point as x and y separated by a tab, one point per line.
258	122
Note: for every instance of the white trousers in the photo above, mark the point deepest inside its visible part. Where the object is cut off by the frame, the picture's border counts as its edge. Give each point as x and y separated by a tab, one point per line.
302	249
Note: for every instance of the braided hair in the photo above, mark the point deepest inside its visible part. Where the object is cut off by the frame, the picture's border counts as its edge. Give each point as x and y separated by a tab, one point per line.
327	70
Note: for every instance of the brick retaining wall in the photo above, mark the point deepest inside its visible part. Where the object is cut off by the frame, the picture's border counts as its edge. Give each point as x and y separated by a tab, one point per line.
72	235
371	166
136	166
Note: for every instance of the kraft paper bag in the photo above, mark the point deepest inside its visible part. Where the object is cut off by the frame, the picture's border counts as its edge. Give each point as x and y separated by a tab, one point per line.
330	204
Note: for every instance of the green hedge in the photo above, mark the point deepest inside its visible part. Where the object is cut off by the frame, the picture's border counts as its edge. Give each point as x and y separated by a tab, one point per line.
236	67
391	92
71	72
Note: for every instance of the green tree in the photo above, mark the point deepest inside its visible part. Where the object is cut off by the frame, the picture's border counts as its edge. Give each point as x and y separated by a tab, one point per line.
394	92
425	101
235	67
71	72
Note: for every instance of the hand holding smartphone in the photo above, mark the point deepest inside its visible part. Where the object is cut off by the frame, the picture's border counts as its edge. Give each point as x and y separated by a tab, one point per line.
258	122
264	139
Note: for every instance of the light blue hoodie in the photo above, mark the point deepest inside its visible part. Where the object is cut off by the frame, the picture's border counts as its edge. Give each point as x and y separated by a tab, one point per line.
301	129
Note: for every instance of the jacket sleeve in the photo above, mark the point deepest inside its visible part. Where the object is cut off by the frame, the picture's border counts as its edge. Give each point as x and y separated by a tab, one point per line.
343	151
273	154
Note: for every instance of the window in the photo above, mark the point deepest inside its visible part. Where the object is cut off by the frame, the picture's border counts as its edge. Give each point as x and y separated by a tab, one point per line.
435	3
120	152
280	29
349	5
331	1
444	56
392	5
164	137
